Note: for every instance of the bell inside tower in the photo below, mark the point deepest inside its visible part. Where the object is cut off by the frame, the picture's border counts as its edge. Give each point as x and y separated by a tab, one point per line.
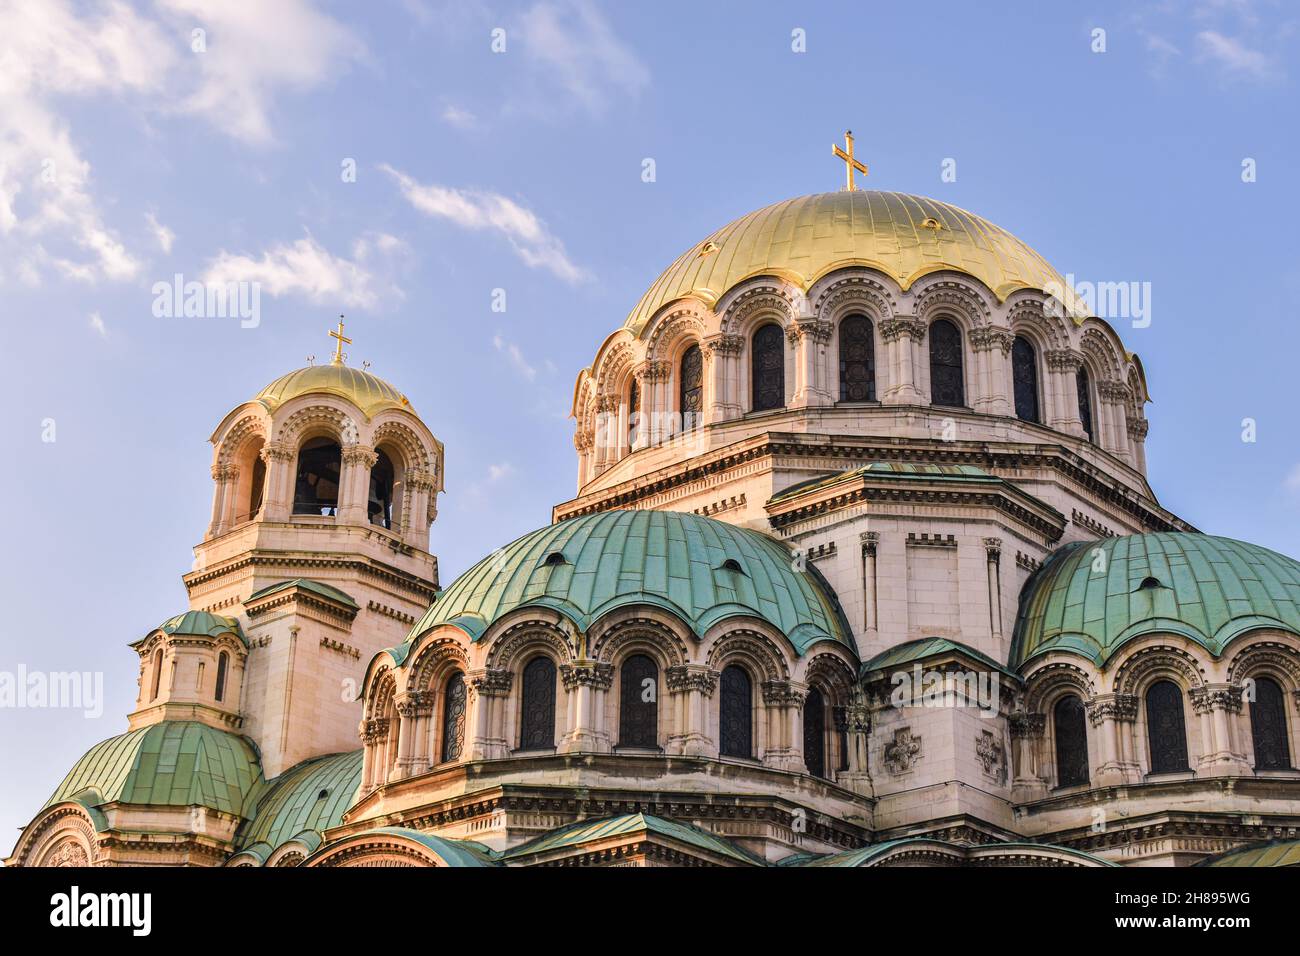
316	489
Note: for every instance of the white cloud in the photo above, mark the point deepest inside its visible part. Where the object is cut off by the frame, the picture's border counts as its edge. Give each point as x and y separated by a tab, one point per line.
253	49
160	232
516	357
1292	482
459	117
304	268
382	243
497	472
1234	56
97	323
479	210
571	42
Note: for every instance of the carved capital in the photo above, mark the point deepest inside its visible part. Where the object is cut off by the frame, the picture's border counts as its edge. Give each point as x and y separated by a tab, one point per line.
987	337
1105	707
893	329
1028	726
691	677
596	674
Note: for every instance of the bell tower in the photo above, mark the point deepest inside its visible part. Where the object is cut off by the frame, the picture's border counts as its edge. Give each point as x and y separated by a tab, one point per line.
326	484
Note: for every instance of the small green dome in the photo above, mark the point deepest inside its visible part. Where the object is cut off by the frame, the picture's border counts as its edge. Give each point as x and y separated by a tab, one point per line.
303	802
1093	596
699	569
202	623
175	763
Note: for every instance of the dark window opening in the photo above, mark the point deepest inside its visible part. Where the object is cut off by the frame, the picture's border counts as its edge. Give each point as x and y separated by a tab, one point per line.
814	733
537	710
736	712
223	664
1024	377
633	412
1166	731
857	360
1071	732
1268	726
453	717
946	380
767	368
691	390
1085	403
638	719
383	480
316	491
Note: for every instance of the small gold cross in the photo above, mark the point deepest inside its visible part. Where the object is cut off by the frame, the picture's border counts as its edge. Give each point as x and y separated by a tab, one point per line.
338	350
849	162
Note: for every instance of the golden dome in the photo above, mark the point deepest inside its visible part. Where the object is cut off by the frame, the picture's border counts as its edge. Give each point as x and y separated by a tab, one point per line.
803	239
368	392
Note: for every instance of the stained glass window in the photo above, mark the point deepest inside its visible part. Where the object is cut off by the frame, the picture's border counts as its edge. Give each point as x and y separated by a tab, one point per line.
1268	726
857	360
1024	377
1071	732
692	387
537	711
638	719
736	712
767	368
453	717
1166	732
946	383
814	733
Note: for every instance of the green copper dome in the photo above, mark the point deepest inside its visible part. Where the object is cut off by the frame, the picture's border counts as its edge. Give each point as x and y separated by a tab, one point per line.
697	568
302	803
175	763
1093	596
200	623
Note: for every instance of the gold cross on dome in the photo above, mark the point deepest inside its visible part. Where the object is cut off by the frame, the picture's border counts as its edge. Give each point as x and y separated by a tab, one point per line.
850	163
338	349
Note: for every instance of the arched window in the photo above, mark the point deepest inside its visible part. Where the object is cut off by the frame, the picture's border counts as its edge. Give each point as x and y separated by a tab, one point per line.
453	717
946	383
1071	733
767	368
691	390
638	703
383	481
257	489
633	411
316	490
1268	726
537	710
157	674
223	665
857	360
1085	402
1166	732
736	712
814	733
1024	378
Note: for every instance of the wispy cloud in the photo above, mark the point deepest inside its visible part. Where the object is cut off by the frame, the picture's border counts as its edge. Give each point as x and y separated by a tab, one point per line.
97	323
516	357
160	232
303	268
479	210
497	472
459	117
571	43
1291	483
1235	57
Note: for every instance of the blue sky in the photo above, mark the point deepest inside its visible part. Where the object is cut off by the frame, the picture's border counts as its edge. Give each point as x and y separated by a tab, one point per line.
128	156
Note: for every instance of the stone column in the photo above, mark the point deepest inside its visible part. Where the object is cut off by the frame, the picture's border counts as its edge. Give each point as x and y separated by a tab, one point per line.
992	347
870	607
227	479
722	351
783	702
1113	716
993	554
857	729
1027	734
415	520
354	484
488	691
1113	396
414	711
277	504
586	682
1218	706
606	440
1137	435
1063	371
902	337
691	687
374	734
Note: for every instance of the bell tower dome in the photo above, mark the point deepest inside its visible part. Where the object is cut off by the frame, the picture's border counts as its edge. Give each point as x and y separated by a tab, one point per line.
326	484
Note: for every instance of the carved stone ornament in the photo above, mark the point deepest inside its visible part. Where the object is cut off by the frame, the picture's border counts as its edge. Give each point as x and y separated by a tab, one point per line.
903	752
992	755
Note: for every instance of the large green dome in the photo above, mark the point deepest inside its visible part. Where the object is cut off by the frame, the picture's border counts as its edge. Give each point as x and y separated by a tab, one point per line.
697	568
1205	588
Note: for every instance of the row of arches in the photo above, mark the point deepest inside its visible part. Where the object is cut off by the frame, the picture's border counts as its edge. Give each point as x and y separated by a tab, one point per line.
1162	709
856	382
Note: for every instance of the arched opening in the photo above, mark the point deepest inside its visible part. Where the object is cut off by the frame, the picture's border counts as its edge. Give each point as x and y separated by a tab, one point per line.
1166	729
316	489
537	705
736	712
857	360
1024	378
814	733
947	386
223	665
1085	402
453	717
638	703
690	398
633	411
380	507
1268	726
767	368
155	681
1071	732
